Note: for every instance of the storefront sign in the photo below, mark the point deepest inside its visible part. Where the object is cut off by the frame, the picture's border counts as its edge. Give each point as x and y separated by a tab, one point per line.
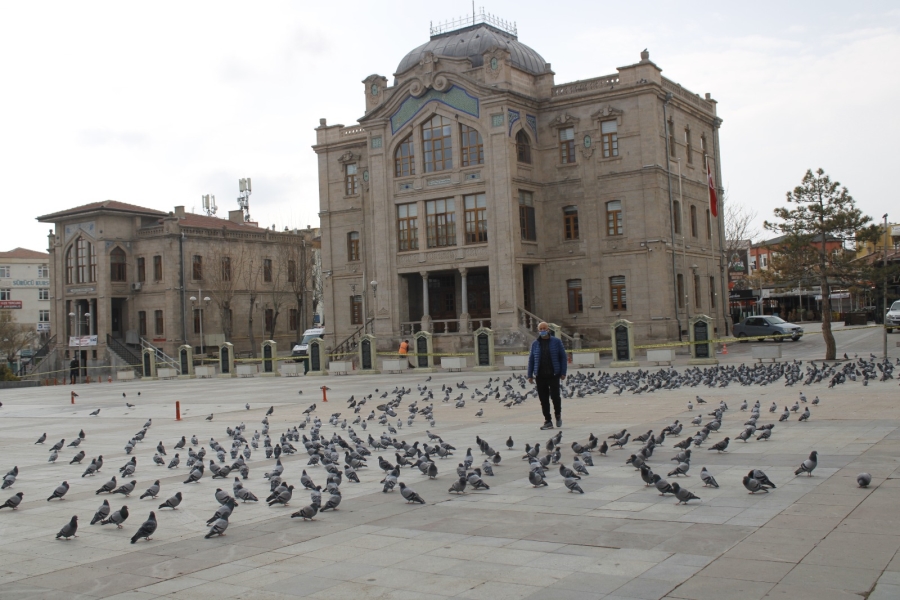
10	304
43	327
81	290
77	341
31	283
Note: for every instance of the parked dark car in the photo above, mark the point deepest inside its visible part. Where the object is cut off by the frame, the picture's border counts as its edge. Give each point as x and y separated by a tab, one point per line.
767	326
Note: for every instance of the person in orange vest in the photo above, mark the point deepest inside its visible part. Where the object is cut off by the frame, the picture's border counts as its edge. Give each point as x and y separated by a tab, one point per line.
404	349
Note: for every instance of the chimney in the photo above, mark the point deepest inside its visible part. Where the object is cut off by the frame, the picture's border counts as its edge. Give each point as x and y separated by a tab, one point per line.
236	216
179	211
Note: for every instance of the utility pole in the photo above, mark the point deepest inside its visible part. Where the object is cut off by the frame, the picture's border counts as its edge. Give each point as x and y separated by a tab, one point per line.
884	264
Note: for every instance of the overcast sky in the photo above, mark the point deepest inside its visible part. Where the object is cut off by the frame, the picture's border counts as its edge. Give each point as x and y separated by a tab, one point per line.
158	103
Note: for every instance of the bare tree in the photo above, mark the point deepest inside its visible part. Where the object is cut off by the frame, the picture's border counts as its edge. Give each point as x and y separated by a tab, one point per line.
251	275
298	256
221	276
14	336
739	225
278	294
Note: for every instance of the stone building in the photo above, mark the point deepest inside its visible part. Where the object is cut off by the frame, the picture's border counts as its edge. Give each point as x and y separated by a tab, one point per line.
476	191
126	277
25	287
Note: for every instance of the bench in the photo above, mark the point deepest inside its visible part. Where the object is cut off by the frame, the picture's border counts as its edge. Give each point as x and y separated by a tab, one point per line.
515	361
585	359
340	367
205	371
453	363
246	370
125	375
768	351
394	365
167	373
661	355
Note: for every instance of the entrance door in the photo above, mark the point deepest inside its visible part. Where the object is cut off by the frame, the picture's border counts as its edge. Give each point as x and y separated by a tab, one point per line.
117	318
479	300
442	303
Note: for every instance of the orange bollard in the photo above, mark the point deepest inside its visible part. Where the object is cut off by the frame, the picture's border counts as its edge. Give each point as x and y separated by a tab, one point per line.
109	379
178	410
73	397
724	348
324	395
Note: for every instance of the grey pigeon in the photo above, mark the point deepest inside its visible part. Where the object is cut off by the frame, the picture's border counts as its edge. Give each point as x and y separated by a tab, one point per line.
409	494
536	478
707	478
60	491
126	488
284	497
146	529
805	415
245	495
459	486
809	465
572	484
753	485
333	502
42	439
152	491
172	502
69	529
218	528
117	518
53	456
195	475
762	478
101	513
863	479
307	512
662	486
108	486
681	469
14	501
682	494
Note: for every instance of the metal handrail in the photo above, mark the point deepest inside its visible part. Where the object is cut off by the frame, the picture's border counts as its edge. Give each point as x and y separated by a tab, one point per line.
348	345
530	322
36	358
161	357
125	353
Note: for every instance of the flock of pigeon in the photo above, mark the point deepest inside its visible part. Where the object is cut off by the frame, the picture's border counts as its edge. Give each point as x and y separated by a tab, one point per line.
343	457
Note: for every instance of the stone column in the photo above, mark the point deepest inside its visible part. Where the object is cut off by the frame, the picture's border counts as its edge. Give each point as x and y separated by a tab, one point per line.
463	273
425	309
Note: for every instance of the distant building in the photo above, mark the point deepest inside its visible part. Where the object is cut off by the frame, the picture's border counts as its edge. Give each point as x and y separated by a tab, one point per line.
865	248
25	288
125	276
475	191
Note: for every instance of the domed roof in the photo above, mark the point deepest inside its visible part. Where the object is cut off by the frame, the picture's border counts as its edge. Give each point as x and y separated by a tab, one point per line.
471	42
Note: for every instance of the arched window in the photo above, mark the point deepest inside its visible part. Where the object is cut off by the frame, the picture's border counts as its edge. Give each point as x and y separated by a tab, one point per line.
471	146
523	148
81	262
117	270
405	158
437	144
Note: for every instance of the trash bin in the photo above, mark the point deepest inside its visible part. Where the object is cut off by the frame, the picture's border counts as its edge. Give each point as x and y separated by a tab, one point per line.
856	318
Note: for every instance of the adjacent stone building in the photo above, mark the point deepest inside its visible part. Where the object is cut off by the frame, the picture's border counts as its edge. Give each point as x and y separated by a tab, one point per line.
476	191
125	277
25	288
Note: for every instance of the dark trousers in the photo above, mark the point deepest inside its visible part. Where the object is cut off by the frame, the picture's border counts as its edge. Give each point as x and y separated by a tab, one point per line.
547	388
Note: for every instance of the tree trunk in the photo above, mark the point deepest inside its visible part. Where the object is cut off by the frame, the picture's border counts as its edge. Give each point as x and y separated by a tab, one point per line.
250	324
830	347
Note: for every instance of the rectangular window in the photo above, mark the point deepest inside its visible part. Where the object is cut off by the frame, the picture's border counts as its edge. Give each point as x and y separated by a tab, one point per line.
567	145
160	325
141	269
292	271
697	291
270	319
267	270
570	222
676	215
117	270
157	268
407	226
437	144
356	310
476	218
712	292
680	286
198	318
43	294
6	294
687	145
708	225
764	260
44	271
351	180
293	319
5	271
526	215
471	146
440	221
617	299
671	125
614	218
573	289
142	323
609	135
405	158
226	268
694	226
353	245
43	316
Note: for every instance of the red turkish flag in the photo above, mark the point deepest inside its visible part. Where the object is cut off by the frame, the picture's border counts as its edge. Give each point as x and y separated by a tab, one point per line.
713	200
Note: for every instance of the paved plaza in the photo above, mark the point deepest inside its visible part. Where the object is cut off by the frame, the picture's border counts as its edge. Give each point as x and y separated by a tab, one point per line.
816	537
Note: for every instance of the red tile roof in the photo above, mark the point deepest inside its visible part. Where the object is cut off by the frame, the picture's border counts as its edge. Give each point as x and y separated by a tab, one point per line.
106	205
204	222
24	253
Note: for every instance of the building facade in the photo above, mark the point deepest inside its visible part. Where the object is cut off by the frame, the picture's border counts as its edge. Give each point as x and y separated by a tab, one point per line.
475	191
25	288
124	275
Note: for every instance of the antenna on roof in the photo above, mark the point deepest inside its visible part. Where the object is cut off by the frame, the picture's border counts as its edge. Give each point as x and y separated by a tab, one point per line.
244	198
209	205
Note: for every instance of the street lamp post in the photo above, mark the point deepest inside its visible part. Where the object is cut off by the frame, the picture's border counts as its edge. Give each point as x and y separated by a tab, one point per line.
884	301
194	303
374	285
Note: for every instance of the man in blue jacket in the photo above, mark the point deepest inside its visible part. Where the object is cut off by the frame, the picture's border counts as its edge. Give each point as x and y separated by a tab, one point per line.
547	363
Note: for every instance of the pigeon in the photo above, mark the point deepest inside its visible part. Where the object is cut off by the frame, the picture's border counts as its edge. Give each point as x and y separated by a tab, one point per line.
74	443
805	415
536	478
284	497
572	484
681	469
459	486
218	528
245	495
117	518
173	464
146	529
180	443
210	418
333	502
101	513
761	477
809	465
14	501
720	446
409	494
42	439
69	529
152	491
58	445
95	413
172	502
10	478
707	478
108	486
753	485
509	443
195	474
863	479
307	512
126	488
60	491
662	486
682	494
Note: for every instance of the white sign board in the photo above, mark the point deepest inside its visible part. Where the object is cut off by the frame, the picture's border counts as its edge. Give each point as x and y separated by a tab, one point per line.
82	340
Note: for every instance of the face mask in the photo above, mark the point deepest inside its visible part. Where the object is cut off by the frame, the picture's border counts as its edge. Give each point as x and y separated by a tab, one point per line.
544	333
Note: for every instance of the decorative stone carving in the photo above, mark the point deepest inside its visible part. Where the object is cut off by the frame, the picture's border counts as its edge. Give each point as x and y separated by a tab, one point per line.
606	112
349	157
564	120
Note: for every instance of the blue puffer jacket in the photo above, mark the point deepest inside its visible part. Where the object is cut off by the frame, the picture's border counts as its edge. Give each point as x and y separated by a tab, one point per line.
557	356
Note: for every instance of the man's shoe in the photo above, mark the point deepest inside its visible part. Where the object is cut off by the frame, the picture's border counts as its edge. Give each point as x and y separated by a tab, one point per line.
547	425
558	422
